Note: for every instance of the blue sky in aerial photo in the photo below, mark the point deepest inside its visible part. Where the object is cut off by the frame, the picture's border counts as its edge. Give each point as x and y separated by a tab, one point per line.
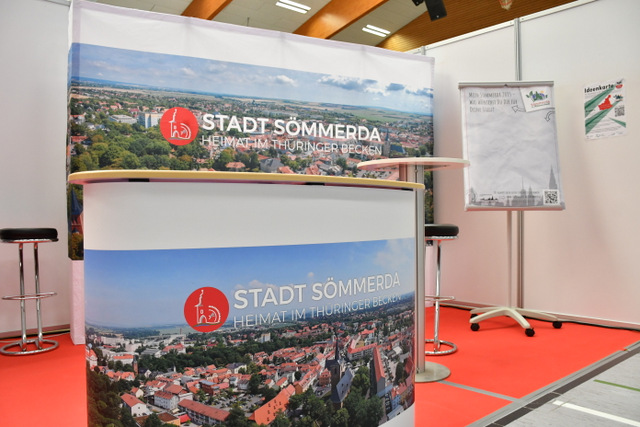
226	78
146	288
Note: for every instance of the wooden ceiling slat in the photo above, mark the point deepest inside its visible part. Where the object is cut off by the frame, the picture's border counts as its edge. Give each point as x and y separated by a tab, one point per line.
205	9
463	16
336	15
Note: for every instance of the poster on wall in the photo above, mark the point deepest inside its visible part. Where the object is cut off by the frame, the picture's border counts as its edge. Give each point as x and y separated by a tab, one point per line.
604	109
163	92
509	138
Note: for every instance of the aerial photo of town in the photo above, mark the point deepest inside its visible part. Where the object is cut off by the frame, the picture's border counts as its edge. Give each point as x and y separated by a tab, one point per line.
117	127
250	118
340	370
245	118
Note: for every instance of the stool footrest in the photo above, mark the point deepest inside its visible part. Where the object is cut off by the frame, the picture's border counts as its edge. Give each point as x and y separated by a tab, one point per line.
23	347
438	351
438	298
29	296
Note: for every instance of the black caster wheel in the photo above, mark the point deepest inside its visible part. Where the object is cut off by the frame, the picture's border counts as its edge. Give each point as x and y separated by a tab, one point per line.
529	332
475	326
557	324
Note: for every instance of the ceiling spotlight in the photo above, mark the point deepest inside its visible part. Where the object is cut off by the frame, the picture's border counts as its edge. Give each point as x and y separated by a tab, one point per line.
380	32
291	5
434	7
506	4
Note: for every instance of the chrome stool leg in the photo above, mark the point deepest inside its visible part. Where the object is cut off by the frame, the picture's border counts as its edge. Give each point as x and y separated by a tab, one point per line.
437	342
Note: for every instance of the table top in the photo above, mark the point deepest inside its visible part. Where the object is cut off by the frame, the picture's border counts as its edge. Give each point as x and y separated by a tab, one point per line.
136	175
429	163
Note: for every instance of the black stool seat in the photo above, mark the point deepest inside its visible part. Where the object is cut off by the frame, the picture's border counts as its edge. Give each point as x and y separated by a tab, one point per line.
440	231
15	235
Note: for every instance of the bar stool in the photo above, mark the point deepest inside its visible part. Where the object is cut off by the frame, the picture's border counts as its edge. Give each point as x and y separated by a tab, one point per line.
439	233
35	236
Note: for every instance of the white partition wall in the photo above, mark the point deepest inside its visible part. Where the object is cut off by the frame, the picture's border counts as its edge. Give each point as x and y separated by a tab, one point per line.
474	268
580	262
33	88
584	261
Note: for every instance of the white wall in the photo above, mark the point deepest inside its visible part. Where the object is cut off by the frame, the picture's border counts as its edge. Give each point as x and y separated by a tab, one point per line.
582	261
33	74
465	274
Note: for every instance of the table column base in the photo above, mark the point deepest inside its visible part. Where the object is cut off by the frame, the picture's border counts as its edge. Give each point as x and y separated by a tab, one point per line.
432	372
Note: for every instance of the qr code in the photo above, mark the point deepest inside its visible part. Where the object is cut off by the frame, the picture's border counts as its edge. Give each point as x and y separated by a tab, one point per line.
550	197
619	111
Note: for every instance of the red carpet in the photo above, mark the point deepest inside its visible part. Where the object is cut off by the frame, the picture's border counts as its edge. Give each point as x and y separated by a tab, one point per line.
440	404
500	358
49	388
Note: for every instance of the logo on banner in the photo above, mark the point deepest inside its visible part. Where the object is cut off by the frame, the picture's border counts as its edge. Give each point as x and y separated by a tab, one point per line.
536	98
179	126
206	309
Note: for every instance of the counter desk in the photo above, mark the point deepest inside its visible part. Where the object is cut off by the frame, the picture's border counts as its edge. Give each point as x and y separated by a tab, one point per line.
322	265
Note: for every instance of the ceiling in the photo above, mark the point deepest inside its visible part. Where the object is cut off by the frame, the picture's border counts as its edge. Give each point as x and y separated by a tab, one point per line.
410	26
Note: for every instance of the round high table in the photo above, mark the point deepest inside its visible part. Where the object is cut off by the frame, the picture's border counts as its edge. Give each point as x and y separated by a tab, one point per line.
411	169
406	165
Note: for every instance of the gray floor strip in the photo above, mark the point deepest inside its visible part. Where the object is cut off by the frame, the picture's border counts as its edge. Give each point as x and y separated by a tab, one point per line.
478	390
538	408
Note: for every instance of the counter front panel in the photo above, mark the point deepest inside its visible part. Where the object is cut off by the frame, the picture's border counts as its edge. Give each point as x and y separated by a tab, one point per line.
242	285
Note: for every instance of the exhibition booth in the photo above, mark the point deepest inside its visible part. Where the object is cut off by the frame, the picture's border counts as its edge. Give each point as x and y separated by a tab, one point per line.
273	233
264	206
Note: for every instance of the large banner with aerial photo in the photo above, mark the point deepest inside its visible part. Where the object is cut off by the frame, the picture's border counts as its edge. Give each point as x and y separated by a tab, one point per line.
256	325
153	91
